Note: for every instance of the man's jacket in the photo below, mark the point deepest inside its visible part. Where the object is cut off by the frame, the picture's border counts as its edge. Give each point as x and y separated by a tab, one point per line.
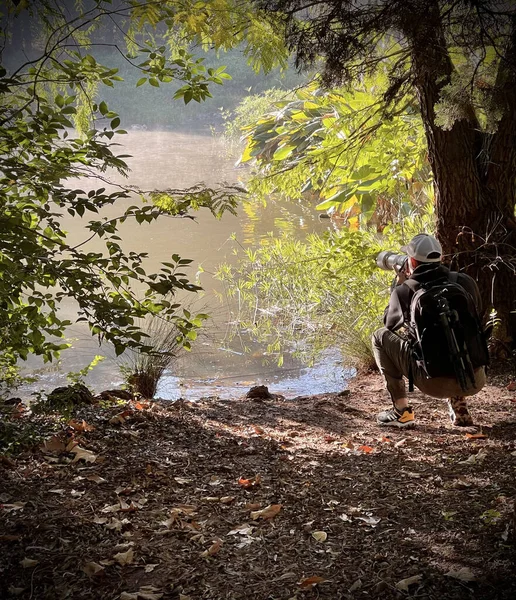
398	312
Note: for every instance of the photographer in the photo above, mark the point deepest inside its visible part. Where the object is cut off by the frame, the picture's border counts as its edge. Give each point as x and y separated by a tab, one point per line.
397	357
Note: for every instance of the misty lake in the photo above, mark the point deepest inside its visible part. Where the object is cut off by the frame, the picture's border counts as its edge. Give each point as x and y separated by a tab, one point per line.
216	365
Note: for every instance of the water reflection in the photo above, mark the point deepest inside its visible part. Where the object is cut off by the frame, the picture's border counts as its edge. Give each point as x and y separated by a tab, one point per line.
162	160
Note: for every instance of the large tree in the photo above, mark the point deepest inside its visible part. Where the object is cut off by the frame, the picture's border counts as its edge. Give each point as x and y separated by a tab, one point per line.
459	58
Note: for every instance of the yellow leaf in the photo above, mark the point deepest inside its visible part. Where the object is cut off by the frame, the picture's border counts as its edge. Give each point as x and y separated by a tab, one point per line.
266	513
320	536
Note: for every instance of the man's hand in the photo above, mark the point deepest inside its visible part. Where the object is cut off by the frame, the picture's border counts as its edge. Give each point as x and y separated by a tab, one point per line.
401	275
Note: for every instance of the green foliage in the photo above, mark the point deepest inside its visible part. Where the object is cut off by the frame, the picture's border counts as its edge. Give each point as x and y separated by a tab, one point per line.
79	376
42	157
342	148
250	110
325	292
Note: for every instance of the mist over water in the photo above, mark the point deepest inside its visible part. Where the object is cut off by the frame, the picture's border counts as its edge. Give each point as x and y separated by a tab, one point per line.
216	365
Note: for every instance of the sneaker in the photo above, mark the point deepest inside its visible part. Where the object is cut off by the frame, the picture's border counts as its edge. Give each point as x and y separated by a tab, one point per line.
458	411
396	418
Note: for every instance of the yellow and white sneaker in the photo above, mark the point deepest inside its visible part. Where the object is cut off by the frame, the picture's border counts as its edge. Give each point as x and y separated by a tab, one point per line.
396	418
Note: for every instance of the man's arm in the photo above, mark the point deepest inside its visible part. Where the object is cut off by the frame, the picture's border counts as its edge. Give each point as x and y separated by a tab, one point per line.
394	317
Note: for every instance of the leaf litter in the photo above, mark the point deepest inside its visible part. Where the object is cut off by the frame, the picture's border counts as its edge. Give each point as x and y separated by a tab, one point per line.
216	509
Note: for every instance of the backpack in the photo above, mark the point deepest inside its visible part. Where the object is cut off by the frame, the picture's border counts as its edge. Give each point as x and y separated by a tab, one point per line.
446	333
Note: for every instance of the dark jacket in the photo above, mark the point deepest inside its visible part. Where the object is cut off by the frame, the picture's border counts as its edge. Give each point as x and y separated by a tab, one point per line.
398	312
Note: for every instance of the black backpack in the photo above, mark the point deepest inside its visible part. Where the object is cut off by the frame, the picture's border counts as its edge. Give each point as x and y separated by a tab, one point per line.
446	332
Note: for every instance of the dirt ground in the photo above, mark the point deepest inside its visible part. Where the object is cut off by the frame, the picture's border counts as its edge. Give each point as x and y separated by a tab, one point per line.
291	498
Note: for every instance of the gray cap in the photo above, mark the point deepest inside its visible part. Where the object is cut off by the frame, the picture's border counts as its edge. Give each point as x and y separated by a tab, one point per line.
424	248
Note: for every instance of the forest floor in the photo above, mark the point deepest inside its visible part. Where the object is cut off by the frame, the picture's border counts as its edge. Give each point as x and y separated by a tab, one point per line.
291	498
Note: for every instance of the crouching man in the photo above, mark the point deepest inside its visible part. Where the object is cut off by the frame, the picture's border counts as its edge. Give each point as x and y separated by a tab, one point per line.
443	350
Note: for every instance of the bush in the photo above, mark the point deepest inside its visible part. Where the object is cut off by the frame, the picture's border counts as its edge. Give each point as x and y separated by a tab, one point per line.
325	292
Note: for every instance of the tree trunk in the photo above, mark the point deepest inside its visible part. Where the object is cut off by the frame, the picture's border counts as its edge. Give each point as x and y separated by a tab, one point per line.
474	174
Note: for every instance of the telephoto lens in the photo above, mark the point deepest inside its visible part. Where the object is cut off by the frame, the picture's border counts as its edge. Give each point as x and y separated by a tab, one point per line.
388	260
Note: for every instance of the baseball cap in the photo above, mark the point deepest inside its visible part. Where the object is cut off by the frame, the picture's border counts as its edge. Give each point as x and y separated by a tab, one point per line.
424	248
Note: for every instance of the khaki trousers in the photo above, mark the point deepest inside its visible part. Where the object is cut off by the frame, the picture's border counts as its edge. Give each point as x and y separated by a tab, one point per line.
394	359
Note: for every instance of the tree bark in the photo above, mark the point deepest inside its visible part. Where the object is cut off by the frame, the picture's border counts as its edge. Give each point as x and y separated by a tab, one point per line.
474	172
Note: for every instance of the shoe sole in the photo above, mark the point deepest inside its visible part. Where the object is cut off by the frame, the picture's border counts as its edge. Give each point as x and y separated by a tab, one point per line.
397	424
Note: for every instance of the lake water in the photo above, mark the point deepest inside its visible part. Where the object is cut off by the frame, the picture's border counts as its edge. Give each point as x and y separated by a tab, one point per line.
216	365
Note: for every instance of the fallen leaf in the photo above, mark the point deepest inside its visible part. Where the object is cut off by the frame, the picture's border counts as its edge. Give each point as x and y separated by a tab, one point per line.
404	584
111	508
120	418
476	436
83	454
124	558
320	536
213	549
266	513
100	520
71	445
15	591
227	499
27	563
258	430
247	483
311	581
474	458
182	480
128	596
464	574
10	538
373	521
511	387
386	440
96	479
252	506
356	586
150	567
400	443
76	494
366	449
54	444
244	529
92	568
124	507
60	491
80	426
147	592
13	506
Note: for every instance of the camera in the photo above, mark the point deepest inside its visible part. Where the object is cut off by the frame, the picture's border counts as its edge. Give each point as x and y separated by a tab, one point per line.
388	260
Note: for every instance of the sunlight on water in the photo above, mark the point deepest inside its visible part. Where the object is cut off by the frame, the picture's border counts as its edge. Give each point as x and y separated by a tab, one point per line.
173	160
